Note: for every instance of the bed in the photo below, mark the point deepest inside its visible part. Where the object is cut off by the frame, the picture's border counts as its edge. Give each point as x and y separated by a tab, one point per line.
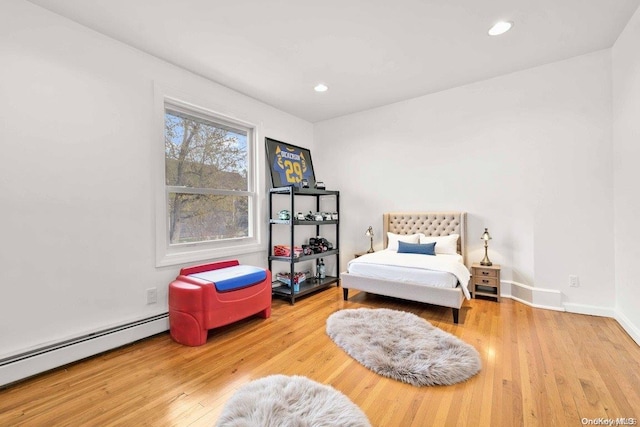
394	274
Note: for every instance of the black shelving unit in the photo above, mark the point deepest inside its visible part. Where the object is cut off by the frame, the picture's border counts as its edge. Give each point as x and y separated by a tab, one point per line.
311	284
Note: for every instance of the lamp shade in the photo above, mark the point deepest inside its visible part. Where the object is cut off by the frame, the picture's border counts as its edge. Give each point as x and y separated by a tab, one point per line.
369	231
486	235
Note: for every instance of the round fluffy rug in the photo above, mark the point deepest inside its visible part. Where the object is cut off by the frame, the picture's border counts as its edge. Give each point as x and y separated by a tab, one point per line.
283	401
403	346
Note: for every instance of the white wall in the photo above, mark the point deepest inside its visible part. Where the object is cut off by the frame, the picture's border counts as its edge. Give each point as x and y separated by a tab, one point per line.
76	194
528	155
626	143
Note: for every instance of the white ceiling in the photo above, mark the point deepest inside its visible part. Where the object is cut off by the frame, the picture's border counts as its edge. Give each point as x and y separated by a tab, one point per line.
369	52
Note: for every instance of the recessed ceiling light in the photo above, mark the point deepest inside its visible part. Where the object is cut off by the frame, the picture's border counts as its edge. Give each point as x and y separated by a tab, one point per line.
500	28
321	88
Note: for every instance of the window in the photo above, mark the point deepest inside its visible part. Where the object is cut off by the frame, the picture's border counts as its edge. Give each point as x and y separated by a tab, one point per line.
210	199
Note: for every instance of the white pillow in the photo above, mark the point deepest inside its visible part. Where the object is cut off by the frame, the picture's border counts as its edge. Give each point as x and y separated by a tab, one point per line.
408	238
444	244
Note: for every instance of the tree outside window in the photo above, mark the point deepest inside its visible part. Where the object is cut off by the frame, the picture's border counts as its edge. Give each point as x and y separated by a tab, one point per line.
207	165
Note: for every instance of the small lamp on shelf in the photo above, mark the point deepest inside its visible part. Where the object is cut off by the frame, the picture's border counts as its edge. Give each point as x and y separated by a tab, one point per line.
486	237
369	233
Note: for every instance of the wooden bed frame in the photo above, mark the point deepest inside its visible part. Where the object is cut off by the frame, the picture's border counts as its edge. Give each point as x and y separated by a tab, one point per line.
430	224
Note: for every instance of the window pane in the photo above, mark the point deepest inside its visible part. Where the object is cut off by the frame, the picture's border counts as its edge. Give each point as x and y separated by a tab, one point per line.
198	218
203	154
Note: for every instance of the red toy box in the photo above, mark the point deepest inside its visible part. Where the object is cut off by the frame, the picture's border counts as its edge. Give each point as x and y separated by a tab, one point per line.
208	296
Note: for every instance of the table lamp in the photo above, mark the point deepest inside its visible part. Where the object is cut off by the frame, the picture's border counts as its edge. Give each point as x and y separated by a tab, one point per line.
369	233
486	237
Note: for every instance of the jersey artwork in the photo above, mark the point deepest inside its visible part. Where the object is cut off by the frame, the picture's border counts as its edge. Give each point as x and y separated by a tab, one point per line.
291	165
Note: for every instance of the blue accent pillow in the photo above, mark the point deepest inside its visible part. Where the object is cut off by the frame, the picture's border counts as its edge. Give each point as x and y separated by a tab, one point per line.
417	248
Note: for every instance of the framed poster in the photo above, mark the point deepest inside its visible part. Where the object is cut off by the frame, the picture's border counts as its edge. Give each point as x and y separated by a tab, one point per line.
289	164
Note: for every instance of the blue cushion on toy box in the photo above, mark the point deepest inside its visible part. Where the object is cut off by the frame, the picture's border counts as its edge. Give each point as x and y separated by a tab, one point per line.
231	278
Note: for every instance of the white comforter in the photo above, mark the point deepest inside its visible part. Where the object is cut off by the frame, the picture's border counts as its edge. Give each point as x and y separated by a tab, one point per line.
446	263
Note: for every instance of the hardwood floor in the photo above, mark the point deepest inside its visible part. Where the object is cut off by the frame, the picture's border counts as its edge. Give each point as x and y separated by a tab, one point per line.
540	367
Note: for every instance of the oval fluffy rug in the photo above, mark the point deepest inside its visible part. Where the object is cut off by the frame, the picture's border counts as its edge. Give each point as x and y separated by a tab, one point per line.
403	346
283	401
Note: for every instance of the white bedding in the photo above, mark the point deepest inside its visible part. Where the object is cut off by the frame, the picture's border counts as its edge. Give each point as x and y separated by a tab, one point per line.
444	271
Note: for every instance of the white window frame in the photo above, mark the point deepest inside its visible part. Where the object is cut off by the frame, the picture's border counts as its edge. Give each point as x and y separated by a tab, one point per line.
172	254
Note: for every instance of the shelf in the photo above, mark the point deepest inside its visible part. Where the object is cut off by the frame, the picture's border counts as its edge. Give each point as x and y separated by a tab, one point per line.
485	294
306	287
311	284
305	257
303	191
487	290
300	222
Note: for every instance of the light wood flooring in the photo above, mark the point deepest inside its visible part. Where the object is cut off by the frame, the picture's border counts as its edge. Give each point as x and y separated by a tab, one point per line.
540	368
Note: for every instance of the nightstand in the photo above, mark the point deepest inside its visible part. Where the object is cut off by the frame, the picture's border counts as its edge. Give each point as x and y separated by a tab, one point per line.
485	281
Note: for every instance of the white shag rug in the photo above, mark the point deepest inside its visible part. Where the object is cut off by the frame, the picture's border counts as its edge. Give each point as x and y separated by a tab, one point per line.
403	346
284	401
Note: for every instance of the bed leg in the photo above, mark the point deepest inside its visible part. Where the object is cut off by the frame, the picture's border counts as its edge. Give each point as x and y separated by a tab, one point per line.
456	312
345	293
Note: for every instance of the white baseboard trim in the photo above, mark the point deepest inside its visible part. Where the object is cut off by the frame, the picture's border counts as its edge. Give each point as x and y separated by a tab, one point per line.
548	299
27	364
530	304
629	327
592	310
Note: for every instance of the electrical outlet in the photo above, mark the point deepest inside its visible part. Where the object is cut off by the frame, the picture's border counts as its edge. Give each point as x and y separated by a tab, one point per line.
573	281
152	295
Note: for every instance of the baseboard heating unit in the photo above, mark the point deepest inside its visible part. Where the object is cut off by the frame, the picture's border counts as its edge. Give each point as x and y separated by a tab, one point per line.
24	365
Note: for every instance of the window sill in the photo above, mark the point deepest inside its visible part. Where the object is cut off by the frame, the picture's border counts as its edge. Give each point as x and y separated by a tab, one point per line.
186	256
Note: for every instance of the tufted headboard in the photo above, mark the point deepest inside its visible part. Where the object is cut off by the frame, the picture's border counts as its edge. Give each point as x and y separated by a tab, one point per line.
428	223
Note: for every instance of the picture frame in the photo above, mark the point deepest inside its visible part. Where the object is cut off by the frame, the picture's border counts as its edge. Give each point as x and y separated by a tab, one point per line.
289	164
